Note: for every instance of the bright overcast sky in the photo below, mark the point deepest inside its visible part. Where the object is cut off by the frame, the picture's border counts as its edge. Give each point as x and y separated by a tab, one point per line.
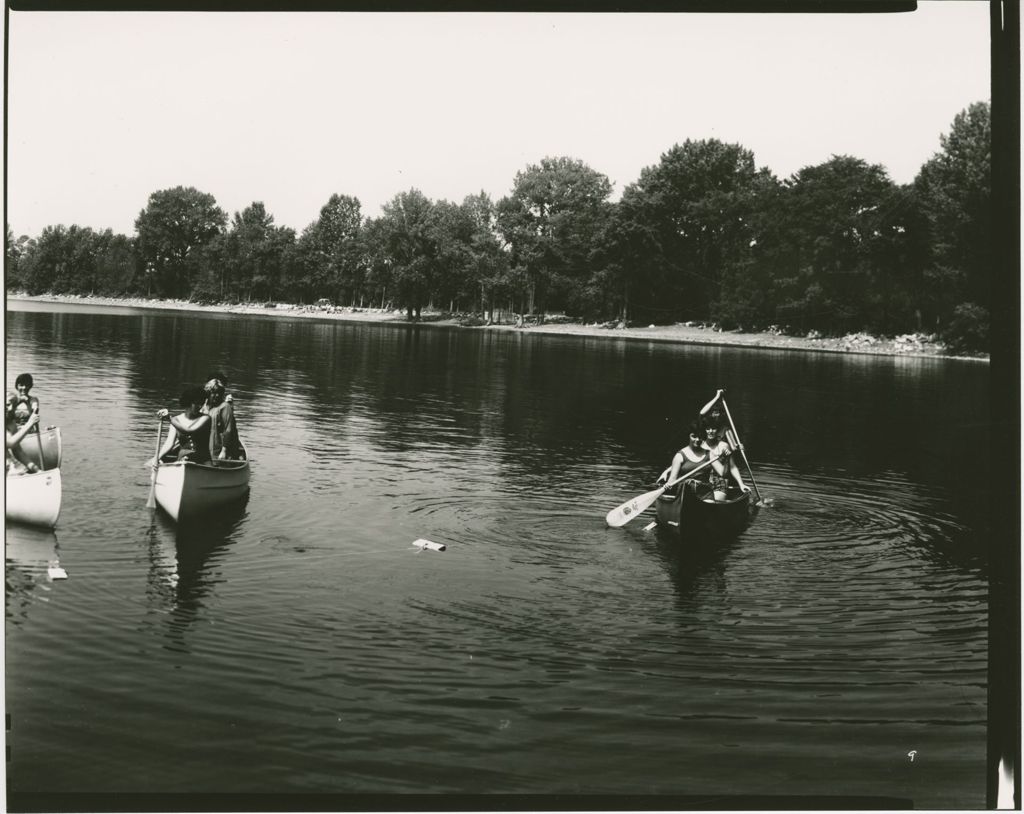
287	108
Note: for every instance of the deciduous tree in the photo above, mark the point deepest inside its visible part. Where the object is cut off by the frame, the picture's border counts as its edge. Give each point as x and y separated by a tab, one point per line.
954	189
550	221
175	223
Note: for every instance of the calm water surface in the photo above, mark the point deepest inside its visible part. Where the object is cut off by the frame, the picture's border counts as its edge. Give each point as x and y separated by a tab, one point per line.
301	644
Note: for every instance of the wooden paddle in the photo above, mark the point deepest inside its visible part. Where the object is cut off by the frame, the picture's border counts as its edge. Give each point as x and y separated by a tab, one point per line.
736	435
151	501
39	438
621	515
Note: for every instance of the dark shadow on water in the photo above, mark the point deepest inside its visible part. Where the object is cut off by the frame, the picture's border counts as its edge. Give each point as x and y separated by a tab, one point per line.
696	567
186	563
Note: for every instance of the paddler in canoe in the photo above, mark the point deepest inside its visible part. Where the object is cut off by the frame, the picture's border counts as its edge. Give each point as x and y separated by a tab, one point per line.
26	404
188	438
224	441
14	435
720	441
206	431
687	459
721	453
20	407
708	441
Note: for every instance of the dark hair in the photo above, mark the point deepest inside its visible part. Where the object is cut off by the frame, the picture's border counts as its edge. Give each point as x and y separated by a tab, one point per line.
709	423
24	379
192	395
694	429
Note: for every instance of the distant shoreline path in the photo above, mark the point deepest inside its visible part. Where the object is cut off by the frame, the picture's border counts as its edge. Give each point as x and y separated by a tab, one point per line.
909	345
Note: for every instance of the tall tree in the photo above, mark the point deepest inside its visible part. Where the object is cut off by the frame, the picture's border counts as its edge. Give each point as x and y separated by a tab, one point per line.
451	233
550	221
13	251
377	262
954	189
408	247
60	261
335	239
43	260
175	223
842	224
247	261
488	261
116	264
686	219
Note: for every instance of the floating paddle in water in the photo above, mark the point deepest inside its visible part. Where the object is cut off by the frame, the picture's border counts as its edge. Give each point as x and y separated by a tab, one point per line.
429	545
54	571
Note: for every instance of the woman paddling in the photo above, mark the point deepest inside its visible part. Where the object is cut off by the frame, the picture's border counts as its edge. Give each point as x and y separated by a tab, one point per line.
189	434
689	457
15	434
721	453
224	442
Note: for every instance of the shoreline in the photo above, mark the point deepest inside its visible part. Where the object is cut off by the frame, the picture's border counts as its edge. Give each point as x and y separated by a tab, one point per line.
908	345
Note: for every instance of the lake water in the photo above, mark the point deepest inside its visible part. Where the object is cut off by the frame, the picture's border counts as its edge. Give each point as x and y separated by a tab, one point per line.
301	645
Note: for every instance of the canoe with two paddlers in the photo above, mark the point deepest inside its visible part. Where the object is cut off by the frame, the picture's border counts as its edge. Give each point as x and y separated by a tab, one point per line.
693	516
692	510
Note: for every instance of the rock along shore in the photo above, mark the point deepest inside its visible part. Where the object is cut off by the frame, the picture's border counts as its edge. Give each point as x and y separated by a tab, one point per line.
909	345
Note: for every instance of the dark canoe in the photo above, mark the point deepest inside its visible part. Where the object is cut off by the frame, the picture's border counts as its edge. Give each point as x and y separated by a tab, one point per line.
694	519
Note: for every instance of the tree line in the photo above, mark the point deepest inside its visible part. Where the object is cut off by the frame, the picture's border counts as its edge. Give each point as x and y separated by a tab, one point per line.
703	235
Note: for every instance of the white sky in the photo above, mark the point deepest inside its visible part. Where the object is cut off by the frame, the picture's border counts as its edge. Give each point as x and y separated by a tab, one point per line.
287	108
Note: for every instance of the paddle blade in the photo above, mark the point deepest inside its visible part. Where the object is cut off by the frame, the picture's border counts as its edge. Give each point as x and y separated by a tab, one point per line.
151	501
621	515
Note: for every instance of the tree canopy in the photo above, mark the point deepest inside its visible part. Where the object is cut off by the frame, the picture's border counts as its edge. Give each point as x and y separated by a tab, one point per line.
175	223
703	235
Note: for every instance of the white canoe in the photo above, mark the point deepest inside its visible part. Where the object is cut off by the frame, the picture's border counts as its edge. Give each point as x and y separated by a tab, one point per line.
34	498
43	448
185	489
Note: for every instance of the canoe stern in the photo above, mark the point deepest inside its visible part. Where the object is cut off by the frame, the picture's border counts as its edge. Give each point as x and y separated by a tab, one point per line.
185	489
34	498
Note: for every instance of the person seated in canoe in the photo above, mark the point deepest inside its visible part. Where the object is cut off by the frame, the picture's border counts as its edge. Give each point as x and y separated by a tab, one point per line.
714	415
687	459
21	402
224	441
723	466
16	462
188	438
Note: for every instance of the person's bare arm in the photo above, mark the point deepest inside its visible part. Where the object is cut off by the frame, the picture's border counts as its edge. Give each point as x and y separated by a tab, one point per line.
13	439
